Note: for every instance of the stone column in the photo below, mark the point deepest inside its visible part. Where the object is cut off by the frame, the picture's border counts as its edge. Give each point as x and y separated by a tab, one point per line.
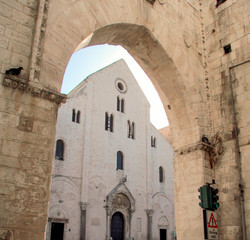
108	213
149	215
83	206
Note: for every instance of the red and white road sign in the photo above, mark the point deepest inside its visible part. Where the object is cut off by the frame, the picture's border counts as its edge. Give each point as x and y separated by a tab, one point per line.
212	227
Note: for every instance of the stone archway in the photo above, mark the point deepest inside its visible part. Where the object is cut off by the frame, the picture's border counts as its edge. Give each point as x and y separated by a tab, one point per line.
120	200
175	41
117	226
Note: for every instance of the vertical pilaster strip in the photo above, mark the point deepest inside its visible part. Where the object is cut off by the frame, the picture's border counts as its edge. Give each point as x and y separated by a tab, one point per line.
108	213
38	43
150	216
83	206
205	71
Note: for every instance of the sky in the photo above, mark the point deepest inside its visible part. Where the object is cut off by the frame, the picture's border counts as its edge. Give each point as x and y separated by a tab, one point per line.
91	59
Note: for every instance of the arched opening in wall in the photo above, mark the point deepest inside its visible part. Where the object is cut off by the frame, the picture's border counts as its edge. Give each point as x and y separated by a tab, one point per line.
90	60
155	61
117	226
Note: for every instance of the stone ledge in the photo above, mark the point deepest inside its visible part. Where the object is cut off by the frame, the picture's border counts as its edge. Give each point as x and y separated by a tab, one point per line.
22	85
197	146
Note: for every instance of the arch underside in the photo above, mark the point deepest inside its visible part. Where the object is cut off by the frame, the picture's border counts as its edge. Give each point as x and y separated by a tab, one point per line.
158	65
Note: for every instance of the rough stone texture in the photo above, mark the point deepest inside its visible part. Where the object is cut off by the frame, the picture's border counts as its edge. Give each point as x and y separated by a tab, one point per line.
180	46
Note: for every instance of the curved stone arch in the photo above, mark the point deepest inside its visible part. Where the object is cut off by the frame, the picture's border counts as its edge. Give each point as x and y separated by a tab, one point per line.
163	195
68	181
54	210
126	207
163	222
123	190
125	211
150	43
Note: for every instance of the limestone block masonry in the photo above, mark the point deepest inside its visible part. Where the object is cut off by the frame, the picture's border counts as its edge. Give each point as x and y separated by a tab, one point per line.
197	55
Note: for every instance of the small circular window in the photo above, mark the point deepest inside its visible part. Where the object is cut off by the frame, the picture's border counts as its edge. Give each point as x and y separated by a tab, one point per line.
121	86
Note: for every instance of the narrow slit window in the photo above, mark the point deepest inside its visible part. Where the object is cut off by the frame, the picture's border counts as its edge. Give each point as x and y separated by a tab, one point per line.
161	174
122	105
111	122
106	121
73	115
118	104
133	130
78	116
153	141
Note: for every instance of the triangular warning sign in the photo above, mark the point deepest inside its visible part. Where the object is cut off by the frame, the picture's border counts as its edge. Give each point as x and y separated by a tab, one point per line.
212	223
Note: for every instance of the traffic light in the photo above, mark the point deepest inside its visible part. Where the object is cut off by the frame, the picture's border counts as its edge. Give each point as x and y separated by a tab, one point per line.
204	197
214	199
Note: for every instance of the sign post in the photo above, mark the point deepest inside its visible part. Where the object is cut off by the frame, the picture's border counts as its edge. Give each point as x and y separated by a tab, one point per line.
211	225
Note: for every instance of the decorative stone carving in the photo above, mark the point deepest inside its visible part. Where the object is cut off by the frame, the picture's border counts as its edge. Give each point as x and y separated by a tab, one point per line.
120	200
84	205
198	146
38	43
17	83
214	148
26	124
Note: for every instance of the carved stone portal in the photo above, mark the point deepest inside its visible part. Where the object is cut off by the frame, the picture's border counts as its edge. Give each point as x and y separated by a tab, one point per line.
120	200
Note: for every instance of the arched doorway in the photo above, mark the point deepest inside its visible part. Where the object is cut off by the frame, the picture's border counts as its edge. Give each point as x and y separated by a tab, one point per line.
117	226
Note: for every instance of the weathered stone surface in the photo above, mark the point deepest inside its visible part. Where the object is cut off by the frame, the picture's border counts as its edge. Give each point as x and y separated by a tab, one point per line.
179	44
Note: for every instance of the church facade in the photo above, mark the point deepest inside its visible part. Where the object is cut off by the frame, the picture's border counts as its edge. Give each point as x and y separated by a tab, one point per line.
113	171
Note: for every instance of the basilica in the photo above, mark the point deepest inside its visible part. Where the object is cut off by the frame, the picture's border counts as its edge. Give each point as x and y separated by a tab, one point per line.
113	171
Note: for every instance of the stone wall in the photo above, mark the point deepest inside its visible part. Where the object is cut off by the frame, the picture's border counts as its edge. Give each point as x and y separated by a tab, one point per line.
228	73
180	46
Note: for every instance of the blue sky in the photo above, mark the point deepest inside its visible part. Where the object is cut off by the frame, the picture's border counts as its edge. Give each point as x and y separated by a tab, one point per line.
91	59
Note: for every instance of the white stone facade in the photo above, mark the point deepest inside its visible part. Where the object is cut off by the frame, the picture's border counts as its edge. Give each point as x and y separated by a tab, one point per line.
87	180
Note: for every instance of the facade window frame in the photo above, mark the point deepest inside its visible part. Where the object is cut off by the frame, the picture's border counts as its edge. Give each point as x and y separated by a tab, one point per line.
73	115
59	153
161	174
109	120
119	160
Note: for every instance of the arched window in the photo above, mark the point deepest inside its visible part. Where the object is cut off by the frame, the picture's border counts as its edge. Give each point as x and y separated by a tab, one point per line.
161	174
119	160
120	105
78	116
59	150
73	115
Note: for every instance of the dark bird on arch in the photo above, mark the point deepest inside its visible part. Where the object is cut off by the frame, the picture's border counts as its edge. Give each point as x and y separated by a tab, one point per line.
14	71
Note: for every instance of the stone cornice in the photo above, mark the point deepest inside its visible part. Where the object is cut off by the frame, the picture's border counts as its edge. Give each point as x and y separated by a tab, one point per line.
197	146
17	83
